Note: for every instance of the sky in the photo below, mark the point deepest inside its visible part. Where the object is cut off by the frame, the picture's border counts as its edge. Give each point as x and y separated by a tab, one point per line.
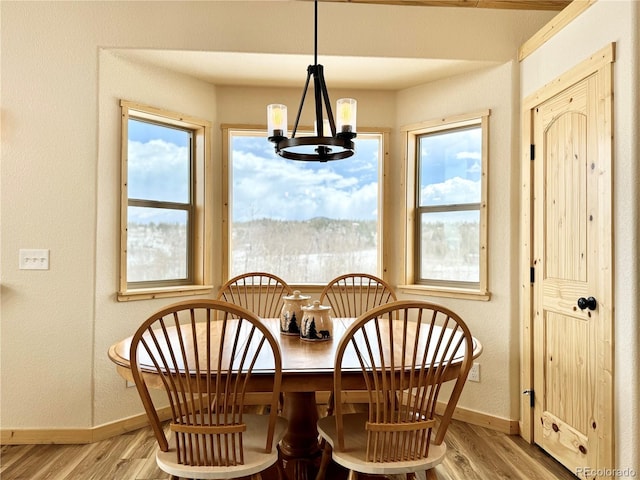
449	167
158	162
265	185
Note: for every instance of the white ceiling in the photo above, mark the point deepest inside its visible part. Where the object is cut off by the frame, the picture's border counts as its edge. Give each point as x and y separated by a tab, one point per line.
269	70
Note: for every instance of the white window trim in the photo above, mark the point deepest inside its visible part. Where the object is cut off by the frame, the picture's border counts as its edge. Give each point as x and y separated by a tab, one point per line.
202	246
227	131
409	136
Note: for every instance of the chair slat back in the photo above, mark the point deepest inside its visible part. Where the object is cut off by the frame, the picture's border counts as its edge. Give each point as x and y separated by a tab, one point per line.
353	294
406	351
259	292
205	354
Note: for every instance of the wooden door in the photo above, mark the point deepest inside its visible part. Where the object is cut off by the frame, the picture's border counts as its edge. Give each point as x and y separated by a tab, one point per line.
572	310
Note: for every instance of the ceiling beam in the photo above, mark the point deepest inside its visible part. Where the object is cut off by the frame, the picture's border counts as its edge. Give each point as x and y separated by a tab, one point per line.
501	4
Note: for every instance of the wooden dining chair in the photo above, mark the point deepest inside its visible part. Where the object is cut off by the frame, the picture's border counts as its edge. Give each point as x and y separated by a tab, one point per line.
258	292
404	351
205	354
352	294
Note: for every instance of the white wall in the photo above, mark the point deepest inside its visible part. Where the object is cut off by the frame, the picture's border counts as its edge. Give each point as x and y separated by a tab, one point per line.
60	161
494	323
121	79
605	22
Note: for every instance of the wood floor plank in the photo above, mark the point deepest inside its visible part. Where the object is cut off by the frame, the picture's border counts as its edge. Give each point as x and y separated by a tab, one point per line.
484	455
68	458
465	458
473	453
114	464
9	456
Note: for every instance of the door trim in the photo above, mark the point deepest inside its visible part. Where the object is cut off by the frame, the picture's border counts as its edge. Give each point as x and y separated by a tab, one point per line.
600	62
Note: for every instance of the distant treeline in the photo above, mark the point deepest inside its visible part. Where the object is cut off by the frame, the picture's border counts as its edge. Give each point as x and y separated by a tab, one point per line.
307	251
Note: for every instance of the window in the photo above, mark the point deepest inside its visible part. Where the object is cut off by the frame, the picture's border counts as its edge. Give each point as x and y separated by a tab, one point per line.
306	222
162	215
447	235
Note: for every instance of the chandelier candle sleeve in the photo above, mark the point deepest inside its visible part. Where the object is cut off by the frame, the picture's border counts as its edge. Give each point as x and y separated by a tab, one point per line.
346	109
277	120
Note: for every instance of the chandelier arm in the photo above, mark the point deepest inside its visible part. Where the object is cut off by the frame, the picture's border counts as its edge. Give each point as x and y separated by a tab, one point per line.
318	94
304	94
327	101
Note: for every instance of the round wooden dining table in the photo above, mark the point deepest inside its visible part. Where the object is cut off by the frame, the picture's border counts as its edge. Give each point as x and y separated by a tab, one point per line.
307	368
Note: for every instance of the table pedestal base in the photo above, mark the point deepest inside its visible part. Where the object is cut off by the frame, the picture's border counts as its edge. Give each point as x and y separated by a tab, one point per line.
299	448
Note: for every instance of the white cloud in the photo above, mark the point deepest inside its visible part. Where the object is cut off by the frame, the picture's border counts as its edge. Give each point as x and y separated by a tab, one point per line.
452	191
283	189
471	155
475	168
158	170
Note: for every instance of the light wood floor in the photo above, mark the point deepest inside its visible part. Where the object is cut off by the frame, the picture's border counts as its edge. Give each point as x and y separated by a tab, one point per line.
474	453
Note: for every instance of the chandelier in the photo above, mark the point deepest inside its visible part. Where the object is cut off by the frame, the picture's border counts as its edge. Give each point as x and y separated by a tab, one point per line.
318	148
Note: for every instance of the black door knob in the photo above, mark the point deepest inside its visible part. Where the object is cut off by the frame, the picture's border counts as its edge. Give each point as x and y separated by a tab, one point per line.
589	303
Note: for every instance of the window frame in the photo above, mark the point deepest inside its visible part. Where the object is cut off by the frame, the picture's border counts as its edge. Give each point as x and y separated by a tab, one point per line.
199	273
228	130
443	288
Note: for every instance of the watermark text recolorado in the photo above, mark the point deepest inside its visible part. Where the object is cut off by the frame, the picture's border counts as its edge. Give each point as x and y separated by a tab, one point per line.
588	472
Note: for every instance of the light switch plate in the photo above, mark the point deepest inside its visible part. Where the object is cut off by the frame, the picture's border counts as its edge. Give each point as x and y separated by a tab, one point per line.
34	259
